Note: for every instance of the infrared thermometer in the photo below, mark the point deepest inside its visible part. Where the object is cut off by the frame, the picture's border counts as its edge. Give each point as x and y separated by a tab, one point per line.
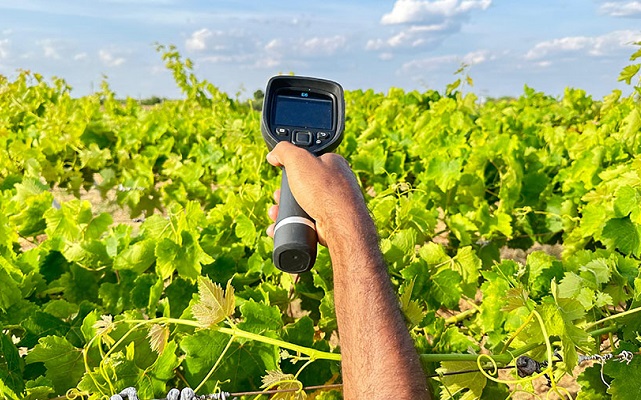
309	113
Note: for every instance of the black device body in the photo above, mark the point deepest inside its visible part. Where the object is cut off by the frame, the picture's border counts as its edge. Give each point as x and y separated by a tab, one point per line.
310	113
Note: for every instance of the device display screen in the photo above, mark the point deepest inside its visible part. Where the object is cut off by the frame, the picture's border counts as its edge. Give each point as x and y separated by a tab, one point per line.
304	112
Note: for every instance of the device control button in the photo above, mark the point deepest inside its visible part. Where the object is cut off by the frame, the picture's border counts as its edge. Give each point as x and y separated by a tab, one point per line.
282	131
322	135
303	138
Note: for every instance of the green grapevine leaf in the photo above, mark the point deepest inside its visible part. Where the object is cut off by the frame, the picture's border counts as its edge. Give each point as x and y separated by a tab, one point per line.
187	258
494	291
42	324
63	362
259	317
327	310
469	385
153	379
411	308
626	384
629	72
592	387
10	293
543	268
446	288
624	235
558	319
301	332
243	364
11	365
637	53
39	388
7	392
245	230
138	257
626	201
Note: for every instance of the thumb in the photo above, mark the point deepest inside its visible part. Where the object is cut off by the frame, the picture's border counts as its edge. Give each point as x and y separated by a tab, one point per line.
284	152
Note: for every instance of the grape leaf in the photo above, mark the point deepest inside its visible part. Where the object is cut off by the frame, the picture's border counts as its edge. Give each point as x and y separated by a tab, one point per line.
11	365
158	337
592	387
629	72
245	230
558	319
622	234
10	293
495	292
243	365
301	332
626	200
63	362
282	381
38	389
186	258
7	392
626	384
213	305
138	257
153	380
259	317
469	385
445	288
411	308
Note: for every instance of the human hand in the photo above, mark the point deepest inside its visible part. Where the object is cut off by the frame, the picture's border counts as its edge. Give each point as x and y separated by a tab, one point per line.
325	187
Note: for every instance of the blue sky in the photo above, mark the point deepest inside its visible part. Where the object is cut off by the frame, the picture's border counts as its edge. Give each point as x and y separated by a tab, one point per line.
238	45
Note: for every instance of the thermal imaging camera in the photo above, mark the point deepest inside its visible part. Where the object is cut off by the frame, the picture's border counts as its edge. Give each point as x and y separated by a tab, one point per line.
310	113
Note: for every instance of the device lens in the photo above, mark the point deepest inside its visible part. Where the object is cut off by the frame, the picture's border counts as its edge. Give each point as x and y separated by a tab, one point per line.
294	260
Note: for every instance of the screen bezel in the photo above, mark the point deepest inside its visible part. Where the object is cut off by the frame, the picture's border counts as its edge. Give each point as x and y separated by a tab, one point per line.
303	95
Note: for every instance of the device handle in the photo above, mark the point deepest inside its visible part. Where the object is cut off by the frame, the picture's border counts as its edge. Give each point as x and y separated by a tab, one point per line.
294	235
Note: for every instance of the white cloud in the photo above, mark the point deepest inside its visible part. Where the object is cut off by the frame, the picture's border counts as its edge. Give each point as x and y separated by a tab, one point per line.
322	46
50	49
4	49
449	61
584	45
270	62
425	23
414	36
198	40
222	44
430	12
80	56
316	46
430	63
221	59
477	57
622	9
109	59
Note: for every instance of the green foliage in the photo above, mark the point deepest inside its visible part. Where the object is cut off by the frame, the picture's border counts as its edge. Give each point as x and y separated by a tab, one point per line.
93	301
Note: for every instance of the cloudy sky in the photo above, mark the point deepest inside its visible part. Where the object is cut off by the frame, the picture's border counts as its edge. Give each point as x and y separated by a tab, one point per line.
238	44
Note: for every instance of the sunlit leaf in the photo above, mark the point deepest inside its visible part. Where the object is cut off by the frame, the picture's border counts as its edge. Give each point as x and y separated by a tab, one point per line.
214	305
158	336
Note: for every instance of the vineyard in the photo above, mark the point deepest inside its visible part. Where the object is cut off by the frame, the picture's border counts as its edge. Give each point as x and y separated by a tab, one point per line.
133	250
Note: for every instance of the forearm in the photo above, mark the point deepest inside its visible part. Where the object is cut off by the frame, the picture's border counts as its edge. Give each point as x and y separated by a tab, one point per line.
379	358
